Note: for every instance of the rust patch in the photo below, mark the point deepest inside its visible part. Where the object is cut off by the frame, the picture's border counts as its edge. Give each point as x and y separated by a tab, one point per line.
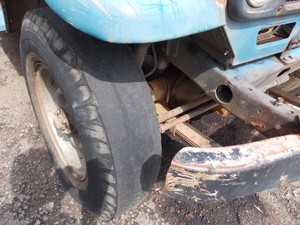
226	173
221	2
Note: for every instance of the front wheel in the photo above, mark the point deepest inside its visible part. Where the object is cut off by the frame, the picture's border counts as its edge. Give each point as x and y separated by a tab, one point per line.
95	111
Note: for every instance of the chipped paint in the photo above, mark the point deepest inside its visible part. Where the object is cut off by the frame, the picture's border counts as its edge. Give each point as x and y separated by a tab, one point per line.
141	21
283	179
238	170
221	2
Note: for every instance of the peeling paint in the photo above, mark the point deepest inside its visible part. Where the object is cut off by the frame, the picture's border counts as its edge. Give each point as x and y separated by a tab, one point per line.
238	170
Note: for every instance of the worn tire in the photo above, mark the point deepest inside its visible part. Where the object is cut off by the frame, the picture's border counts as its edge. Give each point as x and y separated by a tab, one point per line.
111	106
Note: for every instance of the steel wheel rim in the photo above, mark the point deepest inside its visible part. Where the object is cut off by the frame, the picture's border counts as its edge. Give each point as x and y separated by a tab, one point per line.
55	114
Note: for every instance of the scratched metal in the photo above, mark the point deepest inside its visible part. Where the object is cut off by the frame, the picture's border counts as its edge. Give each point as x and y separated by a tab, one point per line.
225	173
140	21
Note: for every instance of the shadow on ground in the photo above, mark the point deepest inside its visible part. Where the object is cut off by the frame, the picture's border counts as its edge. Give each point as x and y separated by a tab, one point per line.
248	210
39	195
243	211
10	45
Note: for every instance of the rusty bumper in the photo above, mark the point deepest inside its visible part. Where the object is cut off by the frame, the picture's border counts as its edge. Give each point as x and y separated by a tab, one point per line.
225	173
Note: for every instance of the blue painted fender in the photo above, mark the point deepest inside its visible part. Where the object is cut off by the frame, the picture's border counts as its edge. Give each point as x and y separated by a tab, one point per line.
141	21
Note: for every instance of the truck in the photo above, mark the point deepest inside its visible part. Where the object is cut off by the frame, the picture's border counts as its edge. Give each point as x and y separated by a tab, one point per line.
107	78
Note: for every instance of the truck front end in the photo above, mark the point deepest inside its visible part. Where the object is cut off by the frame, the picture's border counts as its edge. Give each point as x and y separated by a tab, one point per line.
150	67
242	55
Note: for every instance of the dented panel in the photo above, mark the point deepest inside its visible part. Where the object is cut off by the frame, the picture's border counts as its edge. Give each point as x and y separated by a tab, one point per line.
225	173
140	21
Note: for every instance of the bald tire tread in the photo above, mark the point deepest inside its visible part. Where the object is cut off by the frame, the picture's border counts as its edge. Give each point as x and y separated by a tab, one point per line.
111	106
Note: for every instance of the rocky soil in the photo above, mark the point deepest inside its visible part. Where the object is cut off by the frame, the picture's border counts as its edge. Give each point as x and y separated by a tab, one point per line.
31	193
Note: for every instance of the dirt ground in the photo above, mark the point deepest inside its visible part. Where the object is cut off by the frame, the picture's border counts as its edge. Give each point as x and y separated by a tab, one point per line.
31	193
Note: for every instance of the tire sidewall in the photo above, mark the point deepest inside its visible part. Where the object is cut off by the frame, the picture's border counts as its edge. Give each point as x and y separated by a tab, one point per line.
85	192
112	108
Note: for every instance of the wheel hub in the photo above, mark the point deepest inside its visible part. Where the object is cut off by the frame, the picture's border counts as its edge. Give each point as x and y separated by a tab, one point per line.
61	122
54	110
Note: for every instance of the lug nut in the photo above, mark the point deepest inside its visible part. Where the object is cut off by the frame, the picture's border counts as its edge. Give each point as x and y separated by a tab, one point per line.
57	112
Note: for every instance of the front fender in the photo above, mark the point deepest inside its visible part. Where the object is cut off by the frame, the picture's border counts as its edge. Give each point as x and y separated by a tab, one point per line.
141	21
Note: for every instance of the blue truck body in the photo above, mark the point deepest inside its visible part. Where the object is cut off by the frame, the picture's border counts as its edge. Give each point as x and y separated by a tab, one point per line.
241	54
145	21
141	21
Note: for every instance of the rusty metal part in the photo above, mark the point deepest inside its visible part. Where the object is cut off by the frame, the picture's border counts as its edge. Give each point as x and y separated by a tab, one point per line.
183	91
285	96
159	88
232	88
182	109
221	111
174	89
202	109
61	122
225	173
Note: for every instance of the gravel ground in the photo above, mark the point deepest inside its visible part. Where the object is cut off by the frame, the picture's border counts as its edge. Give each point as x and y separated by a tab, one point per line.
30	192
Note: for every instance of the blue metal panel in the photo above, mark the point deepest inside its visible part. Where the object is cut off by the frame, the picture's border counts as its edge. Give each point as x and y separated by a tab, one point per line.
141	21
2	18
243	35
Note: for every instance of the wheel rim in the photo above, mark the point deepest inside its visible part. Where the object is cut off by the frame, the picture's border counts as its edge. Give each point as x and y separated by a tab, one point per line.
55	114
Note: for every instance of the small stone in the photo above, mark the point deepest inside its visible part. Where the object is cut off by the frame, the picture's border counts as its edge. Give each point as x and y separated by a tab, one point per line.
2	200
51	205
296	192
172	209
18	204
21	197
190	215
45	218
37	222
42	196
